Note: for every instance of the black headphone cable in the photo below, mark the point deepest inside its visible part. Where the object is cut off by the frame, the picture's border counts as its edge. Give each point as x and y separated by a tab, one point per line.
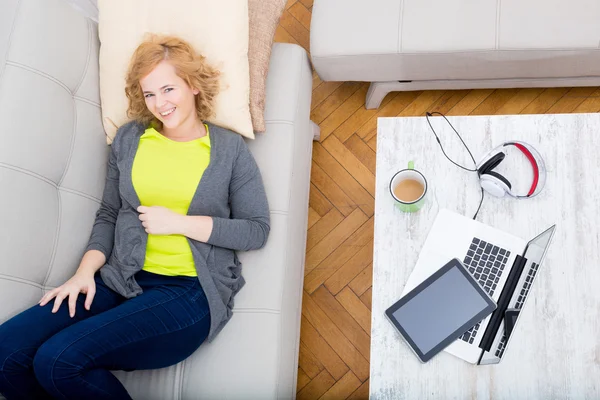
429	114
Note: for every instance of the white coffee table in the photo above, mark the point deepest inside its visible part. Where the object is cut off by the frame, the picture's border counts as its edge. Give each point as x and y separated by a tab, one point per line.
555	350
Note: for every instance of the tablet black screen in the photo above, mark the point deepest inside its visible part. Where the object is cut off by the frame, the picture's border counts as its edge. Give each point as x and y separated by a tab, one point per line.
440	309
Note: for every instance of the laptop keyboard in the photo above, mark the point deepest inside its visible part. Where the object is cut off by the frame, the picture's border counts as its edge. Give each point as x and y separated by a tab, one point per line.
526	285
485	261
524	292
501	346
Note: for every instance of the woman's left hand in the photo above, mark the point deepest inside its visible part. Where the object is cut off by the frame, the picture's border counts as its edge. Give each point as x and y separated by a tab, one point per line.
159	220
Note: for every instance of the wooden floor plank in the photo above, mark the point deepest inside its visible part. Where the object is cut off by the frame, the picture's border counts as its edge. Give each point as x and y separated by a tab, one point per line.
362	393
283	36
323	227
322	92
307	3
544	101
343	112
448	100
329	188
342	388
359	118
495	101
362	152
418	107
362	281
290	3
334	239
522	99
321	350
335	338
351	164
317	277
422	103
355	308
571	100
318	202
339	258
308	362
343	320
334	101
343	276
347	183
317	387
591	104
316	80
313	217
299	11
302	380
366	298
470	102
372	143
295	29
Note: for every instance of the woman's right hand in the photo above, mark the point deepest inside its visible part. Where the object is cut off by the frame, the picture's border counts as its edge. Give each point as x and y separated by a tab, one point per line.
81	282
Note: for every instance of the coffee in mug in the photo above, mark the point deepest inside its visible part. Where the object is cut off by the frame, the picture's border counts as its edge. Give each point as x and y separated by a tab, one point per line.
408	188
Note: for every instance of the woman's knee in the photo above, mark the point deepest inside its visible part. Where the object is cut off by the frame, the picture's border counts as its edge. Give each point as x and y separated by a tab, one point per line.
55	364
15	359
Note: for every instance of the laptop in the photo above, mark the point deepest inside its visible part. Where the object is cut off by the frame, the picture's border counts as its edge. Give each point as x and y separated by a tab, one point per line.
504	265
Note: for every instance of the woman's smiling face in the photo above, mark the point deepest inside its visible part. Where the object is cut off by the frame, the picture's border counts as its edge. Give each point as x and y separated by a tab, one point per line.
168	97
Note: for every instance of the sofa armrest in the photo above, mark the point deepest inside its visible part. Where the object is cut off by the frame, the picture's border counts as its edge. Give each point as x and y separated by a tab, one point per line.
289	85
288	103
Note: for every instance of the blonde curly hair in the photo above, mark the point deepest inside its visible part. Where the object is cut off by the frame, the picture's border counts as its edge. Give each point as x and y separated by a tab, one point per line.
189	66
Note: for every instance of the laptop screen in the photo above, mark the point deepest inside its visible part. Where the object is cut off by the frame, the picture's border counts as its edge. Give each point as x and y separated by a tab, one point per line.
536	249
440	309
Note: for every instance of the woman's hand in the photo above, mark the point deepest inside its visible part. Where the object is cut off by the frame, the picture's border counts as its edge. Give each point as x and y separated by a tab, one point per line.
81	282
160	220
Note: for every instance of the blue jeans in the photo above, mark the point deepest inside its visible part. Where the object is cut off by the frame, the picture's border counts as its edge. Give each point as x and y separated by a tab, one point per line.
45	355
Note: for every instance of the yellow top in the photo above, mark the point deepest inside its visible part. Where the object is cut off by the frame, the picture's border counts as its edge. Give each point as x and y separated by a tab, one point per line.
166	173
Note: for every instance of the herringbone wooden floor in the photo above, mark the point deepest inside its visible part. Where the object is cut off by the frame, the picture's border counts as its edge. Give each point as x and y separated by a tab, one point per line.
336	316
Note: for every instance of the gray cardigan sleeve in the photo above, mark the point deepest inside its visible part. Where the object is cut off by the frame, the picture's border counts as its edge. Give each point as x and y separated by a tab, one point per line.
248	227
103	231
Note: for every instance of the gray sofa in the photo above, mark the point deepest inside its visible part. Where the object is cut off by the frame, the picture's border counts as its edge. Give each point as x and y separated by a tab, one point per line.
53	156
456	44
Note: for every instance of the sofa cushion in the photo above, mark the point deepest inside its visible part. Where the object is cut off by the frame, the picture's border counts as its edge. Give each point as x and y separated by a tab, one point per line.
217	30
53	154
414	40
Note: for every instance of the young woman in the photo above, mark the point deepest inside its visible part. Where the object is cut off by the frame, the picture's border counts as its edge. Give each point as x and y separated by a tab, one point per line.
160	272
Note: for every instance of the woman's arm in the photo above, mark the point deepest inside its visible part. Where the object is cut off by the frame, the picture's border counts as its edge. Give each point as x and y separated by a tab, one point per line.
91	262
103	232
248	227
197	227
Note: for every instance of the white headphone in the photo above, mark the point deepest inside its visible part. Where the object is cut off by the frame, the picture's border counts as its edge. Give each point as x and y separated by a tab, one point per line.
496	184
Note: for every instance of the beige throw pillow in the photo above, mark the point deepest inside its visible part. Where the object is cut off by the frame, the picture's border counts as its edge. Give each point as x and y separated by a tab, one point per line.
216	29
264	17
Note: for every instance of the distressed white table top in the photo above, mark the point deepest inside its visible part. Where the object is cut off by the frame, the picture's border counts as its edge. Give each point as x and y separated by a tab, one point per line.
555	350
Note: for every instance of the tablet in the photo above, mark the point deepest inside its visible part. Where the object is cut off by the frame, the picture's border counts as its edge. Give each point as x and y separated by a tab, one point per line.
440	310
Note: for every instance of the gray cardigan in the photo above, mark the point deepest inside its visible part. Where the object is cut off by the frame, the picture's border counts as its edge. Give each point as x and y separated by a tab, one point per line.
231	191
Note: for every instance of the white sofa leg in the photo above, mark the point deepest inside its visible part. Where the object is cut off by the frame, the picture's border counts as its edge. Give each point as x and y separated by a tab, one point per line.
316	131
377	91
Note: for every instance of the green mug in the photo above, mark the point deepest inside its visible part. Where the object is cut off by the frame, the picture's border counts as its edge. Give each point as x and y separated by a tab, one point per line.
405	179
